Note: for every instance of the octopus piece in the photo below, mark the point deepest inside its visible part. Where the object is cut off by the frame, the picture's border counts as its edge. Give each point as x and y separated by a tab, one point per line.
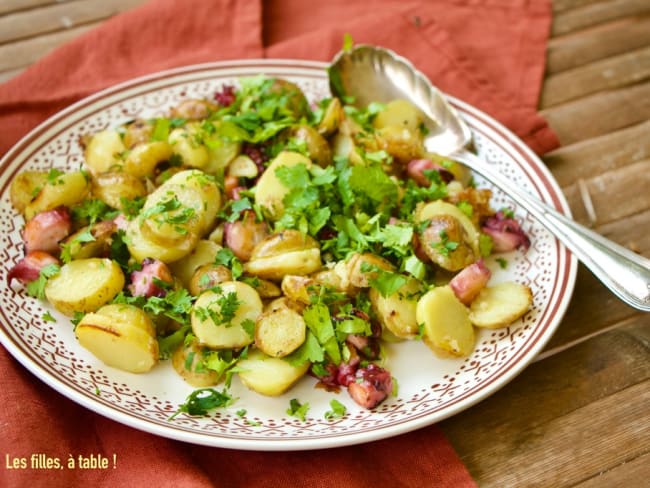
467	284
28	268
46	229
506	233
243	235
371	386
149	281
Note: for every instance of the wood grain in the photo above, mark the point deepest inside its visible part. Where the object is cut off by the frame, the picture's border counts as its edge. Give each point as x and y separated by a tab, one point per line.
597	13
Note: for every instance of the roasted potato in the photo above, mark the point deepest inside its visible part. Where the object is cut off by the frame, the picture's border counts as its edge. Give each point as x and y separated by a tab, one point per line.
84	285
224	318
208	276
270	190
121	336
25	187
447	330
189	362
280	329
142	160
500	305
203	253
104	152
113	188
399	113
64	189
396	312
268	375
287	252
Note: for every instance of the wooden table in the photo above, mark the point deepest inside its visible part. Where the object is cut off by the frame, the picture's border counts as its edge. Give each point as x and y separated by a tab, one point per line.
580	414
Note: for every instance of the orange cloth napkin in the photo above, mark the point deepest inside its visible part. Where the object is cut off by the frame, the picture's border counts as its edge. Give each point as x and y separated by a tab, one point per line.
489	53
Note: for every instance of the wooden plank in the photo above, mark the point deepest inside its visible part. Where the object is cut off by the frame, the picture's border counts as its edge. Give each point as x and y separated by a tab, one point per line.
628	473
610	73
600	113
22	53
597	155
610	39
597	13
22	25
546	427
610	192
563	5
7	6
632	232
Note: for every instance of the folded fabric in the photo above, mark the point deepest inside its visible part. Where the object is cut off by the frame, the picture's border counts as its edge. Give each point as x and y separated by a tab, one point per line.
489	53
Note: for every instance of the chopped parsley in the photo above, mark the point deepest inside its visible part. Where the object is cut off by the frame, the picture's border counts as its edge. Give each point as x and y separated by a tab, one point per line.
201	401
297	409
36	288
337	411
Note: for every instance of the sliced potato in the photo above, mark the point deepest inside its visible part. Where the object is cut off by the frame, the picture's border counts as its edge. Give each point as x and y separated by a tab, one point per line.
243	167
438	208
396	312
298	288
142	247
143	158
235	306
186	145
112	187
66	189
208	276
500	305
188	361
207	187
104	152
287	252
332	118
84	285
361	268
447	328
267	375
270	191
204	252
121	336
25	187
280	330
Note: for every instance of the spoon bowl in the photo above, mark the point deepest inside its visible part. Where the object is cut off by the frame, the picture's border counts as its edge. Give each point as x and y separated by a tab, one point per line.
375	74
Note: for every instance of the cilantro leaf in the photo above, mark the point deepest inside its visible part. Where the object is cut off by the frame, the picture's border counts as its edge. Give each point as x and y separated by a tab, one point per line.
201	401
297	409
36	288
338	410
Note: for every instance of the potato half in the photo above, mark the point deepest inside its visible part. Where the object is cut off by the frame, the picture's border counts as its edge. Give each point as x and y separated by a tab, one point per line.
267	375
447	328
121	336
500	305
84	285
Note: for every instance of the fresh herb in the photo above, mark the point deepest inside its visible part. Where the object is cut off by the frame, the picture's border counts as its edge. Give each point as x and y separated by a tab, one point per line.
201	401
36	288
444	246
503	263
338	410
297	409
227	258
48	317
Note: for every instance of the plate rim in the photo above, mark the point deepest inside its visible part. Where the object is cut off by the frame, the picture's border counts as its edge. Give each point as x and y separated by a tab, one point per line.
288	444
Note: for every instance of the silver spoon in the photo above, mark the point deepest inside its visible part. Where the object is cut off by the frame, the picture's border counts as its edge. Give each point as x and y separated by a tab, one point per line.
374	74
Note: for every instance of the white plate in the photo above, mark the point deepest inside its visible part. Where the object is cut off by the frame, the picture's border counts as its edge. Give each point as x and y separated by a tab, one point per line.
430	389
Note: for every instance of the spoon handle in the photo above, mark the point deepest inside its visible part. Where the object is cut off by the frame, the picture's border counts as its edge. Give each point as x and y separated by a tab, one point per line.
624	272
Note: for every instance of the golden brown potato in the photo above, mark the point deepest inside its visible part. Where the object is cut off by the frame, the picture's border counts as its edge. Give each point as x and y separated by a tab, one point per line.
65	189
188	361
396	312
121	336
208	276
401	143
332	118
186	145
25	187
447	328
283	253
317	146
104	152
224	318
270	190
267	375
360	268
296	101
280	329
141	247
298	288
143	158
193	109
113	188
137	132
84	285
204	252
500	305
80	248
